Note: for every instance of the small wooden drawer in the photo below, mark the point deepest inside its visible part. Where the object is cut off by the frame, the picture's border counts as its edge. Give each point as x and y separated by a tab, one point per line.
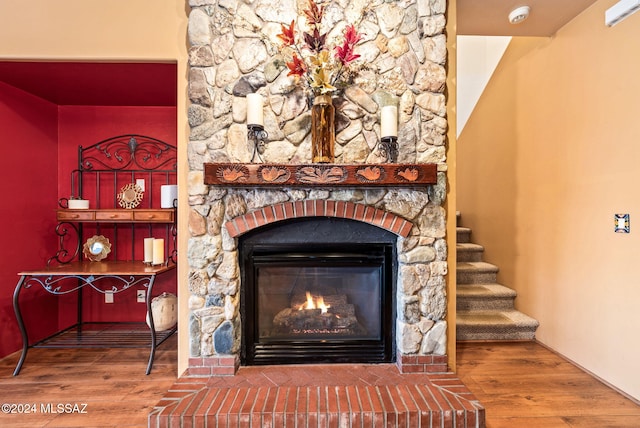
153	216
76	215
114	215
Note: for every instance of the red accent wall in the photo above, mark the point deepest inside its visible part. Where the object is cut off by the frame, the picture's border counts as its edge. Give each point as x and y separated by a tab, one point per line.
87	125
38	151
28	168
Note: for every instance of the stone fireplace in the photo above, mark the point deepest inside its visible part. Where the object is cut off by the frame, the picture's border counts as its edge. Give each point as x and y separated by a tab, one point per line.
267	259
233	53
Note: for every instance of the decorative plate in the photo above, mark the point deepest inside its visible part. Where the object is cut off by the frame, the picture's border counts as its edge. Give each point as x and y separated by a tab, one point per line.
130	196
96	248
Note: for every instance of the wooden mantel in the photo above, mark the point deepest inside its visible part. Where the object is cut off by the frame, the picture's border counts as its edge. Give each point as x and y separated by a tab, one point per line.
319	174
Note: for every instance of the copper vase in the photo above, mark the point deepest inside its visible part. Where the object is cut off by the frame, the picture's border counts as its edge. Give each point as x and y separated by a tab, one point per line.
322	129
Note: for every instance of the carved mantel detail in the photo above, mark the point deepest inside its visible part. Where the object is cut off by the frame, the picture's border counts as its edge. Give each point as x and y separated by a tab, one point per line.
367	175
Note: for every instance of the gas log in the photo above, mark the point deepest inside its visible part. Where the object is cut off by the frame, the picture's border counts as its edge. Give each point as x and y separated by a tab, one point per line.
318	315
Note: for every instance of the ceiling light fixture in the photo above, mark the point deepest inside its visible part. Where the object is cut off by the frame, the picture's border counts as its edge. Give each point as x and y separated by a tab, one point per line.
620	11
519	14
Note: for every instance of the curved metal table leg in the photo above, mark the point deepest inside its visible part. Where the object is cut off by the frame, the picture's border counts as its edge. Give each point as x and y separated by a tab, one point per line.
23	330
151	325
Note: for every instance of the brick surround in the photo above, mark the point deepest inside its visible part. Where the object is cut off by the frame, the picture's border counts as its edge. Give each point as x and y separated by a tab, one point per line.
343	395
228	366
318	208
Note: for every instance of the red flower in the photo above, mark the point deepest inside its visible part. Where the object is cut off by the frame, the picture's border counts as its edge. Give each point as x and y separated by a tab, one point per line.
345	53
351	36
296	66
288	35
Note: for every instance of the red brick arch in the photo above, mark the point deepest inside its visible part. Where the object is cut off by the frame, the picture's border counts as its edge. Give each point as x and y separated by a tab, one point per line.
318	208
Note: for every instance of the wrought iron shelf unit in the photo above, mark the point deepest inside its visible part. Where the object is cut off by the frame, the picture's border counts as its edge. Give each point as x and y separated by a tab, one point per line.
102	169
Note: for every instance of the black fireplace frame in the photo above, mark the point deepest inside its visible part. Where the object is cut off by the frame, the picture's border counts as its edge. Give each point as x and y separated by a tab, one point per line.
318	241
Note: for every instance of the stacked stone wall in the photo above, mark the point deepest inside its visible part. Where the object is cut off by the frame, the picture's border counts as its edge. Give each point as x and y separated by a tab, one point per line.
233	52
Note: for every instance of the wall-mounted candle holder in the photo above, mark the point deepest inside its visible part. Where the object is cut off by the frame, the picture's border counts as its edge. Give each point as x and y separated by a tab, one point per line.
388	148
257	135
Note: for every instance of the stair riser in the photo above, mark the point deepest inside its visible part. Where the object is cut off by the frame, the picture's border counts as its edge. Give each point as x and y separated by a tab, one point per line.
469	256
463	236
471	333
483	304
476	277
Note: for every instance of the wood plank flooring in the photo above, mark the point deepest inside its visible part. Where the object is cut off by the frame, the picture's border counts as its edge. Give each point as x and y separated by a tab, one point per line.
521	384
111	382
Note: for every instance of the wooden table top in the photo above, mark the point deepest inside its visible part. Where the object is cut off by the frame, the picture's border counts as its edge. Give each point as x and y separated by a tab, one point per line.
87	268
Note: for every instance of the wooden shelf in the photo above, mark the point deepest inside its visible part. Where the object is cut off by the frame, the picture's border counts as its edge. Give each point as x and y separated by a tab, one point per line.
319	175
117	215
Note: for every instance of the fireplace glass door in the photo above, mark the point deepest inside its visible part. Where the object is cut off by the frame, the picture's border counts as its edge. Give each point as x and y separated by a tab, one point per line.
326	304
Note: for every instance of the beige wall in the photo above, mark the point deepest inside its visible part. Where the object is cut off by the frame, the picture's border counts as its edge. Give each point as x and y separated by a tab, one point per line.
549	155
93	30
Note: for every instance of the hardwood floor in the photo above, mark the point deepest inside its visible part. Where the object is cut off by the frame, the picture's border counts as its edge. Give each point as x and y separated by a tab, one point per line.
521	384
111	382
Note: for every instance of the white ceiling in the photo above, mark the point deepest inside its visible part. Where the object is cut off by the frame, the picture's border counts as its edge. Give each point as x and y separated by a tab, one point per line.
490	17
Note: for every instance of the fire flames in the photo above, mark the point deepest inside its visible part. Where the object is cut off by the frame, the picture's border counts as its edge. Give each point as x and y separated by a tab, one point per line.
317	303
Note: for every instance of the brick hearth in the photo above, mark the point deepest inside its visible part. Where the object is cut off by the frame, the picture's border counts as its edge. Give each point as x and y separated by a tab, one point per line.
341	395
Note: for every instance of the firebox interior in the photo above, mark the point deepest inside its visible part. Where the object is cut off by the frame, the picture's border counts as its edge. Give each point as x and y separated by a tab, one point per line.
318	292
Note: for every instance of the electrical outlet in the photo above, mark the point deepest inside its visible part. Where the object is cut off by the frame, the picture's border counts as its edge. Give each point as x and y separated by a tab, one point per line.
140	296
108	297
140	183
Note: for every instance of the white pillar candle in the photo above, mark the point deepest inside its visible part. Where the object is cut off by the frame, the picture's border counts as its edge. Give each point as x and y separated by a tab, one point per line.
389	121
158	251
168	193
148	250
255	115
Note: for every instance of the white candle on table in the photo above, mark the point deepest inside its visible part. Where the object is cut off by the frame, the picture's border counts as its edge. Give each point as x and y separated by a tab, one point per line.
148	250
255	115
389	121
158	251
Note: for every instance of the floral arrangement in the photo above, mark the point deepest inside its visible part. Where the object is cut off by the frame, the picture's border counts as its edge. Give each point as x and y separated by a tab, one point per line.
310	58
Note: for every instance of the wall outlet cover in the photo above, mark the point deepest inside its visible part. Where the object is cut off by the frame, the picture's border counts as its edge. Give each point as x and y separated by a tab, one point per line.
140	296
140	183
108	297
621	223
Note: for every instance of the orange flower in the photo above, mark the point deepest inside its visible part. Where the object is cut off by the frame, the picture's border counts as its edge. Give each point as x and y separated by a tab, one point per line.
288	35
296	66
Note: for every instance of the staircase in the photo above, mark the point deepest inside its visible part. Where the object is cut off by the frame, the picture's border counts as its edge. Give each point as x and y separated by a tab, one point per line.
485	308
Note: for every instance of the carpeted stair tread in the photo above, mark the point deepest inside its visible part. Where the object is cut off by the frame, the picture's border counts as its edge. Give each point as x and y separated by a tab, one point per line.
496	318
469	252
485	290
495	325
476	273
471	297
477	267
